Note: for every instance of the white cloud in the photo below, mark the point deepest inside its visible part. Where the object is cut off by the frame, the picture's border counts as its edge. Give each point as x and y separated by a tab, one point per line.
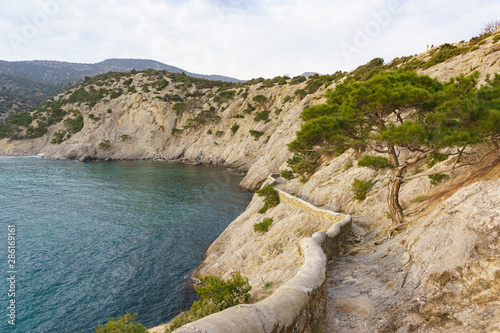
238	38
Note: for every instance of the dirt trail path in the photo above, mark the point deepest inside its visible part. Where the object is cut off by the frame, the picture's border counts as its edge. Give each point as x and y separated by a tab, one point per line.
360	288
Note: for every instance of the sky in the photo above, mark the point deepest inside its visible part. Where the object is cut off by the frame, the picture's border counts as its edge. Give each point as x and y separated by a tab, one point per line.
237	38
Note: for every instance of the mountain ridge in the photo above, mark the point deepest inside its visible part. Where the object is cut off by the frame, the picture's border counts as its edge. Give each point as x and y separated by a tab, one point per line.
24	84
54	70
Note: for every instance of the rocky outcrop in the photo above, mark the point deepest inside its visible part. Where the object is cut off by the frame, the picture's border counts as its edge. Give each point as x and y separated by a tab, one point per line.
295	306
440	272
457	281
143	125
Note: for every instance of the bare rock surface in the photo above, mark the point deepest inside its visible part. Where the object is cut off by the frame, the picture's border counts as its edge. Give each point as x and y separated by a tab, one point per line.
440	275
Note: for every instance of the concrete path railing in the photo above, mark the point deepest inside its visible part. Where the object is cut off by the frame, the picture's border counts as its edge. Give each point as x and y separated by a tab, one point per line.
297	305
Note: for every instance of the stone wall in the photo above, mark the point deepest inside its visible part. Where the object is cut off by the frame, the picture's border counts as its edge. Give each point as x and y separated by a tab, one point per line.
298	304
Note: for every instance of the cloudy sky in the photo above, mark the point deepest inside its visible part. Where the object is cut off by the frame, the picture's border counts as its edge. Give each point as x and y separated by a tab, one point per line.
238	38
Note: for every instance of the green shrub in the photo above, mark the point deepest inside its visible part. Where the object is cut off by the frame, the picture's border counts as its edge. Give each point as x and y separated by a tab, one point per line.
234	128
176	130
298	79
301	93
36	132
226	95
348	165
360	188
435	159
438	178
209	132
271	197
375	162
215	296
250	108
124	324
58	137
288	99
301	164
444	52
366	71
74	125
283	81
124	137
496	39
256	134
219	133
287	174
261	99
262	116
21	119
264	225
116	93
180	106
104	145
420	198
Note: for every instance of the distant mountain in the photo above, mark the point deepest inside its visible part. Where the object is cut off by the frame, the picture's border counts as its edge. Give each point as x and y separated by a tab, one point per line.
19	93
307	74
59	72
24	84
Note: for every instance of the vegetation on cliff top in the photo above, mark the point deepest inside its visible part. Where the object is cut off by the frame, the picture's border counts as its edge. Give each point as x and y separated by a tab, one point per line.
215	296
125	324
398	110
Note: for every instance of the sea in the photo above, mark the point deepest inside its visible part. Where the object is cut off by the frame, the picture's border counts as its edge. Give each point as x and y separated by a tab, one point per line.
84	242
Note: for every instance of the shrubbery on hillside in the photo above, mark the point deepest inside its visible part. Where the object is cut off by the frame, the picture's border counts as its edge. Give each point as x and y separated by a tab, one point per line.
397	109
215	296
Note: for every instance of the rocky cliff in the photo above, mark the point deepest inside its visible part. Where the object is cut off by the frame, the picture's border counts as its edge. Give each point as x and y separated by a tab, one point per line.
437	272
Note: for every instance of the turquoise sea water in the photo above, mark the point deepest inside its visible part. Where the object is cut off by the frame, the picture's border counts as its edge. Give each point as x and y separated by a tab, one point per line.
97	240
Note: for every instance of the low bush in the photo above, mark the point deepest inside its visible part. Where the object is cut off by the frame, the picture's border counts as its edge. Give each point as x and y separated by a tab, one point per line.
234	128
250	108
271	197
375	162
215	296
298	79
287	174
262	116
361	187
438	178
264	225
256	134
301	164
59	137
124	324
104	145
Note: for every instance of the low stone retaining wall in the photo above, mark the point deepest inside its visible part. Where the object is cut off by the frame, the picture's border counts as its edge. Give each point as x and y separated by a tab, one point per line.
298	304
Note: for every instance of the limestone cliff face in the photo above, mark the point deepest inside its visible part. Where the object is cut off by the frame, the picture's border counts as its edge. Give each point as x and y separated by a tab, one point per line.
142	125
426	260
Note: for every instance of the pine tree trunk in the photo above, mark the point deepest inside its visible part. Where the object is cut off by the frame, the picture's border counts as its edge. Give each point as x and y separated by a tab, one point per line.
394	186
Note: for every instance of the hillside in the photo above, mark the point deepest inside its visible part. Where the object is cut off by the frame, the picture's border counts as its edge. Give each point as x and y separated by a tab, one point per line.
18	93
421	275
24	84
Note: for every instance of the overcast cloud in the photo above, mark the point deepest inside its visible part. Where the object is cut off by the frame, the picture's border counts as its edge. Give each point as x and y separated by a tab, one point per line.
237	38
